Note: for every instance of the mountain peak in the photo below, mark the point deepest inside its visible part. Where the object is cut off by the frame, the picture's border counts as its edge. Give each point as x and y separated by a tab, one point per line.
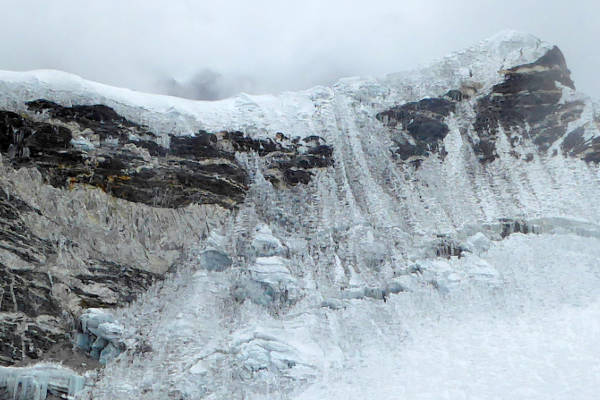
328	205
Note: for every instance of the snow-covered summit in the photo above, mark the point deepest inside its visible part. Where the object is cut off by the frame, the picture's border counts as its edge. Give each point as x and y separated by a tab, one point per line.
289	111
480	64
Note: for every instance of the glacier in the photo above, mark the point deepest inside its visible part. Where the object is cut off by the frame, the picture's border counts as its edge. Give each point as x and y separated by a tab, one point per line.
441	276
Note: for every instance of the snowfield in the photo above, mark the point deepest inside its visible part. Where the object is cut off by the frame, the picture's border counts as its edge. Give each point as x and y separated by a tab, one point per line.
525	326
534	337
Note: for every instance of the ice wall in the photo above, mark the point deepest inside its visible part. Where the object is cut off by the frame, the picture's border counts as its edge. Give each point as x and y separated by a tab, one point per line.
303	290
38	381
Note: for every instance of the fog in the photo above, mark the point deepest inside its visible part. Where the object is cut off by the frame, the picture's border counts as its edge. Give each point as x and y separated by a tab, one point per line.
210	50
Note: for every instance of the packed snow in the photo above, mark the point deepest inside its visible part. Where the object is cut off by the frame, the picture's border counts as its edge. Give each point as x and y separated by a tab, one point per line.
534	336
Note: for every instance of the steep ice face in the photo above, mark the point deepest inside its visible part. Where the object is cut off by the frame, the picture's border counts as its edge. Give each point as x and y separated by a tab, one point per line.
533	336
37	382
517	319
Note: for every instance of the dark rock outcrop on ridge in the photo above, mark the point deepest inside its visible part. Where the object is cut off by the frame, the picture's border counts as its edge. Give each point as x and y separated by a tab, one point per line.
527	105
529	95
577	145
94	145
422	127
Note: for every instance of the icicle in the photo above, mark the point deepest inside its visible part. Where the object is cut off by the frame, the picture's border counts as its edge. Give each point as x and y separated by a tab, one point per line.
33	383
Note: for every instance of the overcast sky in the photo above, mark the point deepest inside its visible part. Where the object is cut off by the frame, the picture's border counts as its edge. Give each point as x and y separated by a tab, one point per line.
212	49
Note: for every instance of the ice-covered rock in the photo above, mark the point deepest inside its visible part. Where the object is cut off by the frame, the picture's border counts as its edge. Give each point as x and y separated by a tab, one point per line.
214	260
269	280
100	335
265	244
478	243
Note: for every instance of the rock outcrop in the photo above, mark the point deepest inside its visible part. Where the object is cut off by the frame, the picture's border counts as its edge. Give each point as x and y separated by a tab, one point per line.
530	95
418	128
93	145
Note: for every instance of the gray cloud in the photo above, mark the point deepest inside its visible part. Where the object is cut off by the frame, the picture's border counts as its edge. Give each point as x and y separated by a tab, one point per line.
210	50
205	85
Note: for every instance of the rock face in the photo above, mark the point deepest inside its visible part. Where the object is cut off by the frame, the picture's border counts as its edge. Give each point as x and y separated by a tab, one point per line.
104	273
34	312
15	236
526	106
29	315
94	145
530	94
422	126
